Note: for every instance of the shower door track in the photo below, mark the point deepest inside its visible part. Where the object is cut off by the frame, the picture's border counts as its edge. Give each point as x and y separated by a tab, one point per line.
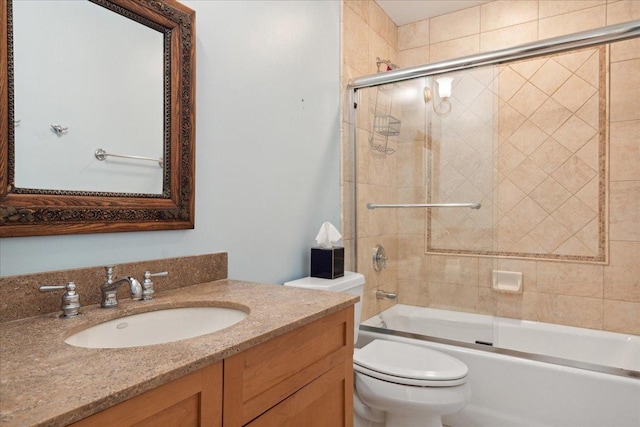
473	205
597	36
621	372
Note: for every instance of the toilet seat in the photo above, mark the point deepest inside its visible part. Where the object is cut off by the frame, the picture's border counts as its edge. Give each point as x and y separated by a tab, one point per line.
407	364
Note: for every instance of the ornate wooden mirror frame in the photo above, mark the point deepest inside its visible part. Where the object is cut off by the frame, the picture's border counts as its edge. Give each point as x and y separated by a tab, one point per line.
34	212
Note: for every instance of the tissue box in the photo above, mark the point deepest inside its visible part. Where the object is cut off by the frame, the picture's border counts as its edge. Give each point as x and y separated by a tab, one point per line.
327	263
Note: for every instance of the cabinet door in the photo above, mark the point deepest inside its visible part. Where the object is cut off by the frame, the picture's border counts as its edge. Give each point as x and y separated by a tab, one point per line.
193	400
261	377
319	404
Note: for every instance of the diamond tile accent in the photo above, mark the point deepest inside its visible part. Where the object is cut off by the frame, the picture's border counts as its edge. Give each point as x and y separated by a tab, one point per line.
550	195
574	93
448	220
447	180
536	172
527	138
485	106
550	234
550	116
474	133
509	157
527	175
589	194
529	67
467	89
509	195
574	174
509	120
527	245
528	99
485	75
589	153
467	232
528	214
508	83
589	235
574	133
550	155
574	215
550	76
482	179
574	246
440	236
573	61
509	233
589	71
590	112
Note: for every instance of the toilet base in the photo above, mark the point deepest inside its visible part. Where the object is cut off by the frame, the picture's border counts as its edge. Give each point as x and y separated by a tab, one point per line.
409	406
404	420
363	415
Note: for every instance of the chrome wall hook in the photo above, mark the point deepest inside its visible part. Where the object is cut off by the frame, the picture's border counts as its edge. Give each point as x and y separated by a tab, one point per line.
59	130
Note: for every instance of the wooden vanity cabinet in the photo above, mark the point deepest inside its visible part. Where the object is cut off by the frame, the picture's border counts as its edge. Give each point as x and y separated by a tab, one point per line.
192	400
302	378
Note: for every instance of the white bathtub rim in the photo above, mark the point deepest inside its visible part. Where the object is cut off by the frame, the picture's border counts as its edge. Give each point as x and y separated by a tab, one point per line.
603	348
492	406
534	357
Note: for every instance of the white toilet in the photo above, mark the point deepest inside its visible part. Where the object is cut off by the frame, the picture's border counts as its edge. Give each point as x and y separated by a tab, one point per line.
397	384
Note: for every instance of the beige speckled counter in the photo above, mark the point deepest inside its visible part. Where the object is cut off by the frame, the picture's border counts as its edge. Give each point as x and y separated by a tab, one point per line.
44	381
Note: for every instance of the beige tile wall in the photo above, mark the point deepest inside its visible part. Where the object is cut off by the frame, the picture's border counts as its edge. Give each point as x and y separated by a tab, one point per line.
572	293
368	33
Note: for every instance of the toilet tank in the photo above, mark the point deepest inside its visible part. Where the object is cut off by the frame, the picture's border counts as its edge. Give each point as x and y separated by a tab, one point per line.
351	283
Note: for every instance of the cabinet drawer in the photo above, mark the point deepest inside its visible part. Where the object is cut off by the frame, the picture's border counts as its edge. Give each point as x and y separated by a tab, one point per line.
261	377
319	404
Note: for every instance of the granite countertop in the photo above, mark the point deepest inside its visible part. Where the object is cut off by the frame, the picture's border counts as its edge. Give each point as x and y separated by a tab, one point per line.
44	381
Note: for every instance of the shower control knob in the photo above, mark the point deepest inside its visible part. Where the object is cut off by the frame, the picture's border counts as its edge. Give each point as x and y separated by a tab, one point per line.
379	258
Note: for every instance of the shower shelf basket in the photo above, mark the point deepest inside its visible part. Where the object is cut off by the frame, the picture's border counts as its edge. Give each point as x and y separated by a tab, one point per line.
386	125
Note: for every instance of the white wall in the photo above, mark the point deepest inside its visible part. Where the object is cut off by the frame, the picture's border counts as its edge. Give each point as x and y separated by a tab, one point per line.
267	148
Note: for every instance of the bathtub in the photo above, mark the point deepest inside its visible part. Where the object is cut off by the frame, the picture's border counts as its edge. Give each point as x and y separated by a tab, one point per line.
525	373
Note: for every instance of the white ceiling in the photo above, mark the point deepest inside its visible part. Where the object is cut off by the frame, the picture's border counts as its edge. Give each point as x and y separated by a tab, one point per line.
406	11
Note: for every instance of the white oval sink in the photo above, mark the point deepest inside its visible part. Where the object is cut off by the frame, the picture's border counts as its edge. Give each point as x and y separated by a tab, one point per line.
156	327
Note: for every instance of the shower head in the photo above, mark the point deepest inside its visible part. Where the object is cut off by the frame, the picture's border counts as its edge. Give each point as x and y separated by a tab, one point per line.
389	65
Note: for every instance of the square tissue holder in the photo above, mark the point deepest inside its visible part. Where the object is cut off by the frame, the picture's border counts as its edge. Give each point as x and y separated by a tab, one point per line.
327	263
507	281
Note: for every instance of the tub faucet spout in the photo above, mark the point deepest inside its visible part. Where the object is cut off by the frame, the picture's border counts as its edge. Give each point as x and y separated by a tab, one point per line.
386	295
110	287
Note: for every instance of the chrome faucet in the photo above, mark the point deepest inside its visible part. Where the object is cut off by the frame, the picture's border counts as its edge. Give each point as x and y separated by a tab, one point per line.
110	287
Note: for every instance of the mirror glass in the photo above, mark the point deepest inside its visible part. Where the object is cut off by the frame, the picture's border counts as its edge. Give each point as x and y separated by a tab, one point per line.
86	79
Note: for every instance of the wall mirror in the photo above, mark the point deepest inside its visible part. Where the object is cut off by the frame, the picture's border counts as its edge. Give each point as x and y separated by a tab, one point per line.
98	126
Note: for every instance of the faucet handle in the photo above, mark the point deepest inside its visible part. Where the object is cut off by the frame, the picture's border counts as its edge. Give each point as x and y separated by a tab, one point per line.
147	284
70	299
150	274
108	269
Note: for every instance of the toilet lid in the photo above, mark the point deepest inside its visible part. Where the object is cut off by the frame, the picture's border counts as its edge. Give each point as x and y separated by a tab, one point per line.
405	360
